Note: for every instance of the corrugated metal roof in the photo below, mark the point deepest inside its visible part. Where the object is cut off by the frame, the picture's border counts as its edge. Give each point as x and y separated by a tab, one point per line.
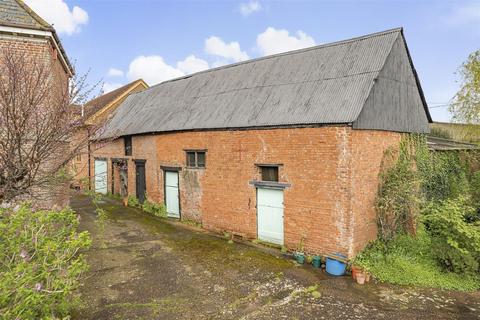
326	84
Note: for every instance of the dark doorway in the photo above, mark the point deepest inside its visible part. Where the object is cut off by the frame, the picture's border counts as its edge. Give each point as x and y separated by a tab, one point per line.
140	180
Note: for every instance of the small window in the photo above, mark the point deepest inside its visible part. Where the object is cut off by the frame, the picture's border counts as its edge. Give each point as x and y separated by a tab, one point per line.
191	159
128	145
196	159
269	173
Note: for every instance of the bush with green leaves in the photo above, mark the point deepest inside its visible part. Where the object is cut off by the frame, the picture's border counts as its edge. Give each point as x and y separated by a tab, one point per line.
442	189
397	202
443	176
133	201
455	241
41	262
409	260
157	209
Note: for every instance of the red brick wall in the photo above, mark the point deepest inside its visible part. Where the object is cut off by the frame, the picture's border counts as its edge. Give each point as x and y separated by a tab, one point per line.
368	148
332	171
40	50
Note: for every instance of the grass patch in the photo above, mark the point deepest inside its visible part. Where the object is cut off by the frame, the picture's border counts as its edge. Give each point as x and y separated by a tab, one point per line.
409	261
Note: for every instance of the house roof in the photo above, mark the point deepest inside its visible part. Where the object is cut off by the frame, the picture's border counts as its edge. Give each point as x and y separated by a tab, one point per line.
103	102
16	14
326	84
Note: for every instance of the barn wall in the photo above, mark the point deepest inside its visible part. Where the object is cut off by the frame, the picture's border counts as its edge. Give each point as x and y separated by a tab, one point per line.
332	172
367	152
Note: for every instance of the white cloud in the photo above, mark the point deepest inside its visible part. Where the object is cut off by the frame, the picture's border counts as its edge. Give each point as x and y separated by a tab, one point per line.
113	72
273	41
58	13
230	51
152	69
466	14
192	64
247	9
107	86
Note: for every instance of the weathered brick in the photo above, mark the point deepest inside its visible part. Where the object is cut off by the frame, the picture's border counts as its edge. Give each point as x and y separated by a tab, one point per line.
333	172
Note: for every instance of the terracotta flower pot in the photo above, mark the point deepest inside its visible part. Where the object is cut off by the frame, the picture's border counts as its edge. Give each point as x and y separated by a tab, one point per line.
355	271
367	277
361	278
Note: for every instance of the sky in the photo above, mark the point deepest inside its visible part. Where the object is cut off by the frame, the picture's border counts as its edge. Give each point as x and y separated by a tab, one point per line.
118	41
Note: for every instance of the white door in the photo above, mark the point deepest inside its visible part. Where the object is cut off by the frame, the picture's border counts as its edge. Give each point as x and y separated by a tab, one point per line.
171	194
270	215
100	172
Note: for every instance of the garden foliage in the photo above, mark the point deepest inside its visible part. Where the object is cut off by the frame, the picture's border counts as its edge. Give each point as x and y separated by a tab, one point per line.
442	189
455	241
40	262
157	209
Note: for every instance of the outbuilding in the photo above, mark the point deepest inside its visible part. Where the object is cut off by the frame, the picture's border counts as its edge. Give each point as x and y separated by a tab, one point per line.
285	148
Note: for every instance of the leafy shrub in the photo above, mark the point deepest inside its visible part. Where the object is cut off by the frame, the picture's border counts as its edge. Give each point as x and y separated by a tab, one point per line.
157	209
40	264
443	176
133	201
397	200
475	195
408	260
456	243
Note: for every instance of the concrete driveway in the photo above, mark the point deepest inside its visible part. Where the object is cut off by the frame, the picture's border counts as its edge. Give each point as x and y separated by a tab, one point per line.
143	267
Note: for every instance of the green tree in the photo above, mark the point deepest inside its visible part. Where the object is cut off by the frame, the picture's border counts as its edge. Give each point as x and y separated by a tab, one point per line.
466	105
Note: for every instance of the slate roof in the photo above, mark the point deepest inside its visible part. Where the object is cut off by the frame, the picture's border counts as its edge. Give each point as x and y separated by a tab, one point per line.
15	13
326	84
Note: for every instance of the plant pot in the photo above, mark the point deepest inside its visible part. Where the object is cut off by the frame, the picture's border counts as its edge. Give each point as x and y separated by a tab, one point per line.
317	261
355	271
335	267
360	278
367	277
125	202
300	257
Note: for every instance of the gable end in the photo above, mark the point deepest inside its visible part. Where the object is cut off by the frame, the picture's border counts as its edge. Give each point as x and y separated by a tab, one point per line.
396	101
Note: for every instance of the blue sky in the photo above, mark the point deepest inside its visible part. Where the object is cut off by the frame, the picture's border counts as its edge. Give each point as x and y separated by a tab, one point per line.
120	41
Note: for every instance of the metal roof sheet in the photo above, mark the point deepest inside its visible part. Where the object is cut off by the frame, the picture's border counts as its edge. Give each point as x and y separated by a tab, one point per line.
326	84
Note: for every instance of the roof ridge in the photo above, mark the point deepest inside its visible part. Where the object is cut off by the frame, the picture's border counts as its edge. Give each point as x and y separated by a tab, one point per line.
325	45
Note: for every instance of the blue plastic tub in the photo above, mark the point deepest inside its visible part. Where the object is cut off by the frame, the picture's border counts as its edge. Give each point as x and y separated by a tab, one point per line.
335	267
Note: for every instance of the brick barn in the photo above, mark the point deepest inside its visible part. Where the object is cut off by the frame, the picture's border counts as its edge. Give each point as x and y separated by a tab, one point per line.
285	148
